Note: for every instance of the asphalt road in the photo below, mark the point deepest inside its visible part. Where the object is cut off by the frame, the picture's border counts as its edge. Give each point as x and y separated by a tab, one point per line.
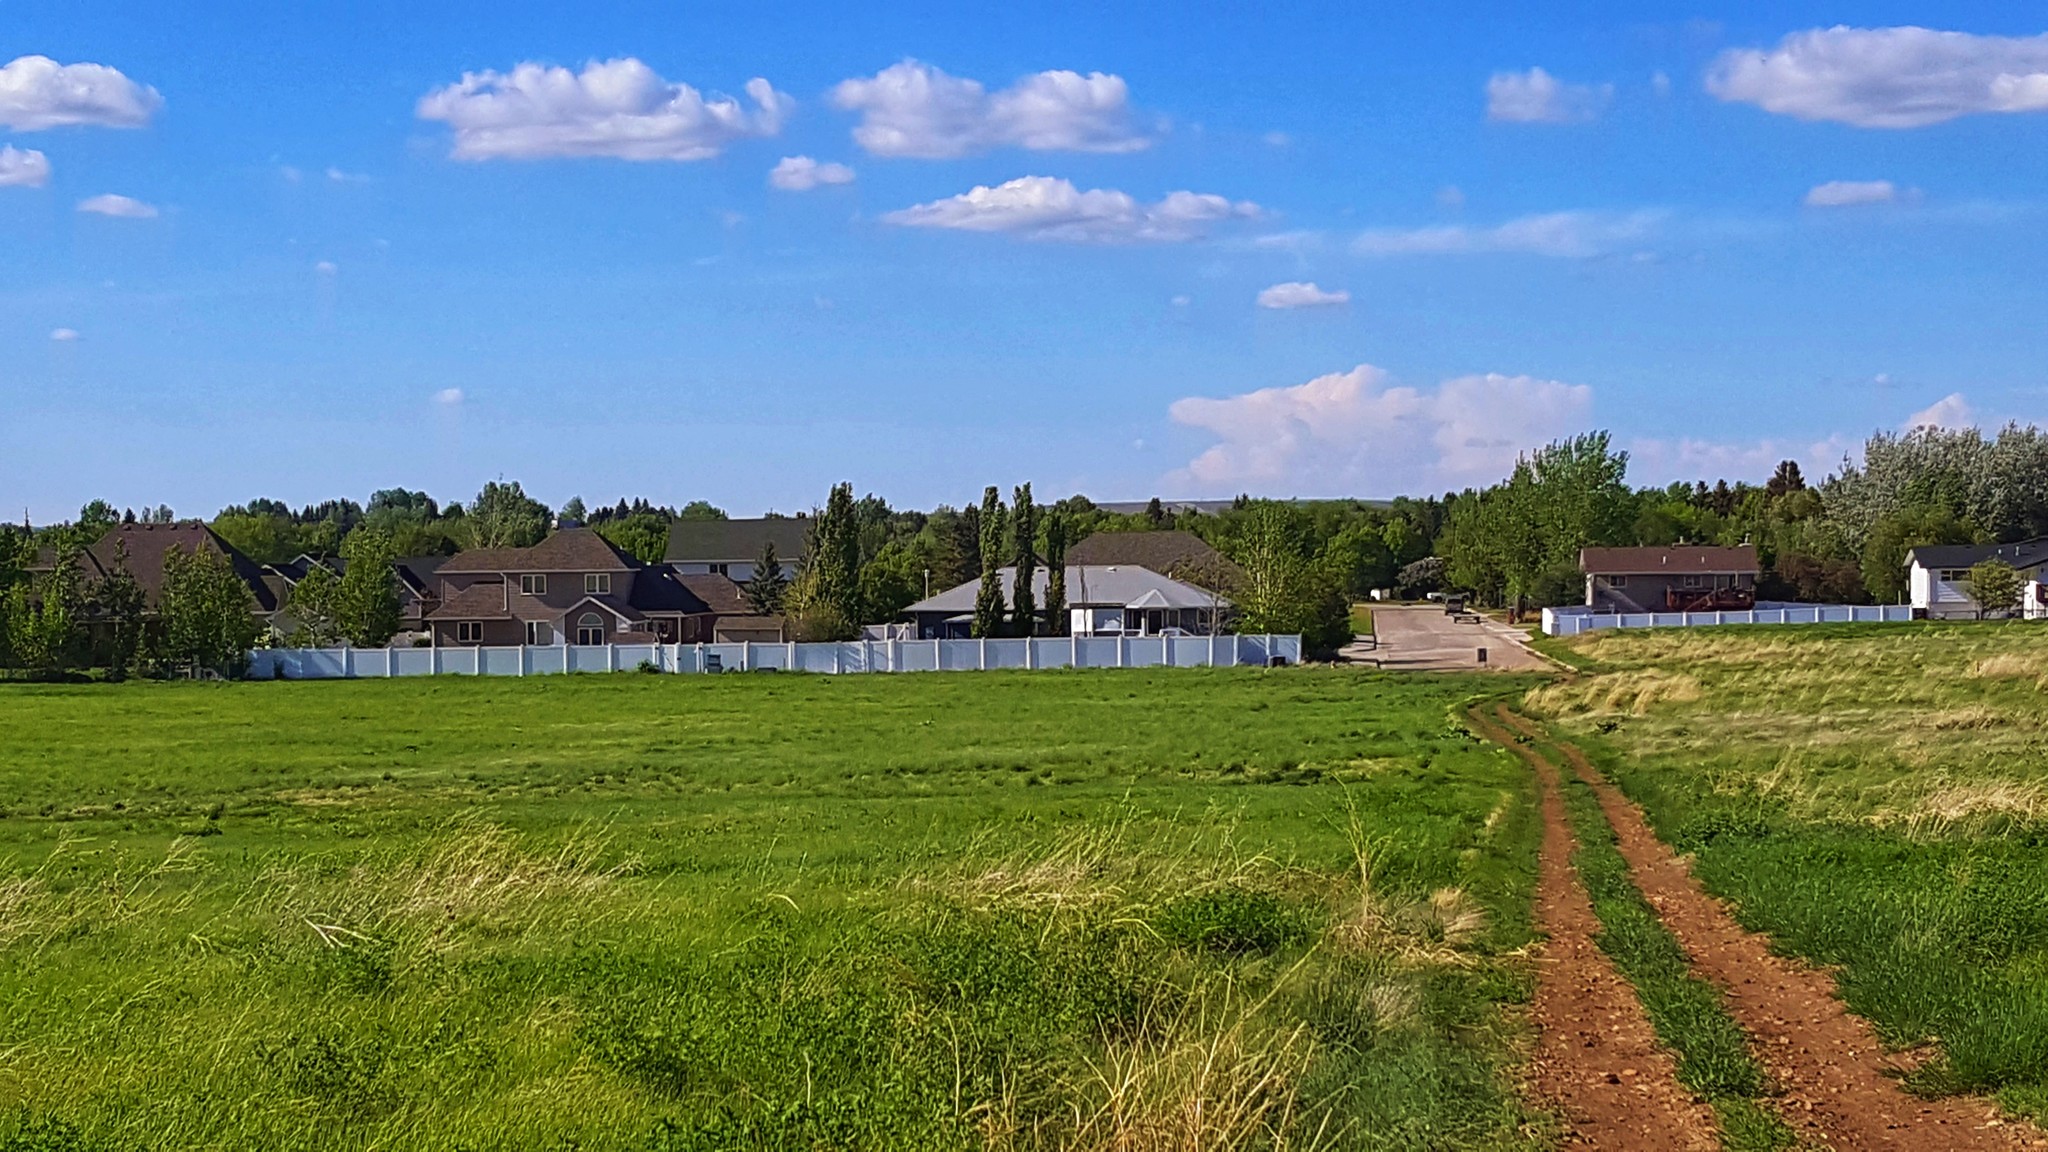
1421	638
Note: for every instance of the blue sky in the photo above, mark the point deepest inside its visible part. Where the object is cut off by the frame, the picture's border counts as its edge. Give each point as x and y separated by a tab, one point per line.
332	263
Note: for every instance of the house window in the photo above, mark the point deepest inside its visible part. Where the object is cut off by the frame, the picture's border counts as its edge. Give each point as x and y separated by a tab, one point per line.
533	585
538	632
469	632
1694	582
590	629
720	569
1617	581
597	584
1955	575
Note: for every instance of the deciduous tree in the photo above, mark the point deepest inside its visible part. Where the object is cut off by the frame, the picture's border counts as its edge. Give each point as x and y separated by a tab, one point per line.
1056	618
988	599
1995	585
1024	547
208	614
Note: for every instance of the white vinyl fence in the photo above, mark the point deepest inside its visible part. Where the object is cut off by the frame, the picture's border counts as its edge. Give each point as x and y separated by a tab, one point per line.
1571	621
851	656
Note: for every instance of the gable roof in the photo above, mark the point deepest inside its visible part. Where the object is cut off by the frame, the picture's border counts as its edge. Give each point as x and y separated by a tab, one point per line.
1088	585
1677	560
569	550
735	541
146	546
1181	555
2023	554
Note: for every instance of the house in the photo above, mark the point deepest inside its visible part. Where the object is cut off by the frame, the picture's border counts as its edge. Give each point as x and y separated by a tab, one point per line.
574	587
1680	578
729	548
1938	577
1182	555
143	548
413	575
1102	600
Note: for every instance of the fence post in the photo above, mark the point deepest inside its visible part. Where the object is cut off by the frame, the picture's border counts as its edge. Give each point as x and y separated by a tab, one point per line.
1119	649
746	655
347	669
984	654
388	673
1027	653
895	654
938	659
835	658
700	657
790	659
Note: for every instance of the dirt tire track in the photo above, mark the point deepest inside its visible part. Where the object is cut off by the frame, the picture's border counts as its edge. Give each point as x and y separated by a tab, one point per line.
1597	1062
1829	1063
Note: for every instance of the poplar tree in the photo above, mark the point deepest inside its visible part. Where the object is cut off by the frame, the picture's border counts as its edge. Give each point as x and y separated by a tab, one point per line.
988	600
1056	571
1024	539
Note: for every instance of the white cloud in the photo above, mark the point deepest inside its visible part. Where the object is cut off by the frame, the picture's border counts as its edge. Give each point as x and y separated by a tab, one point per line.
1568	234
338	176
1844	193
23	167
448	397
1182	301
1046	208
618	108
1951	411
1352	433
1886	77
1660	83
125	207
1277	139
326	268
1450	197
1537	97
1296	294
36	93
64	335
914	109
801	174
1655	461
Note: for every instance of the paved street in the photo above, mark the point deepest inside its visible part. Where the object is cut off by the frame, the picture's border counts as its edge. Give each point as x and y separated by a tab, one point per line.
1421	638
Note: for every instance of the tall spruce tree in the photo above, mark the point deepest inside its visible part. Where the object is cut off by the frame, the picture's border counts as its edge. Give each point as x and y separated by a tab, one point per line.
1024	542
1056	571
988	600
766	589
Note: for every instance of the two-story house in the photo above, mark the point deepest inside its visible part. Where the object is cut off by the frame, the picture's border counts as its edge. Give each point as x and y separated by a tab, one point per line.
730	548
574	587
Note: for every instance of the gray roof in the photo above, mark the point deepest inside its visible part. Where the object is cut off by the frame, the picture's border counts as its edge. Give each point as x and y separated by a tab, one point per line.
2025	554
1088	585
735	541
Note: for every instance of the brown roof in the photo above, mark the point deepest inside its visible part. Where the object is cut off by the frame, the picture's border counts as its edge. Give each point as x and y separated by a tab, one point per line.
485	601
1181	555
144	548
1682	559
718	593
570	550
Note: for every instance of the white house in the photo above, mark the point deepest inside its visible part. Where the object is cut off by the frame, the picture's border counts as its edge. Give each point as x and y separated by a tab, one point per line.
1938	577
1102	600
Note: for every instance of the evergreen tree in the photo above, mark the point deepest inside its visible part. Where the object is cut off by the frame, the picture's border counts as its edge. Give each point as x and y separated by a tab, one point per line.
573	510
1056	572
1024	543
765	590
988	600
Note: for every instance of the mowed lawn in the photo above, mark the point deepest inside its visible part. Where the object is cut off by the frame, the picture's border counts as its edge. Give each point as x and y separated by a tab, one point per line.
1139	909
1875	797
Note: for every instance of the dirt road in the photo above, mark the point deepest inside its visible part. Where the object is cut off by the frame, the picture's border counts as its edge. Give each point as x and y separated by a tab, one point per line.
1839	1087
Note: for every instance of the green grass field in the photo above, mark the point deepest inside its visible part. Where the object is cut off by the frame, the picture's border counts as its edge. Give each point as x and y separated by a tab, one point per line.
1137	910
1874	797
